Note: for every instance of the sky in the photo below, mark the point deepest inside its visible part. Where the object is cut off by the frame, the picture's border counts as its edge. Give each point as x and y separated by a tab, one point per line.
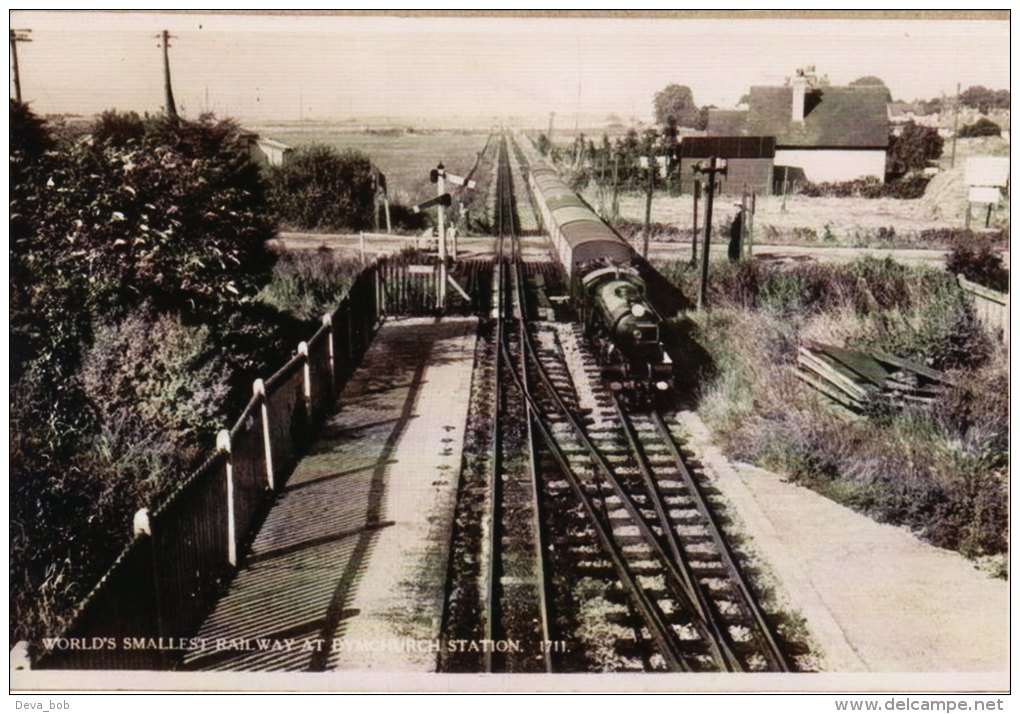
259	67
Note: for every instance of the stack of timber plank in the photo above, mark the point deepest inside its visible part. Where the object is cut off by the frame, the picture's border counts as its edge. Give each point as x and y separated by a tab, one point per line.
855	379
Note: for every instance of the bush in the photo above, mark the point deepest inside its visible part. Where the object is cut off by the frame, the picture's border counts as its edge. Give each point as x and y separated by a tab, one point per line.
132	257
322	188
953	238
151	375
915	148
906	188
117	128
979	262
982	127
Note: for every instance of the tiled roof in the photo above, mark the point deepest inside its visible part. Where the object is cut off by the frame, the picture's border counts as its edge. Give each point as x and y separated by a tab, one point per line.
844	117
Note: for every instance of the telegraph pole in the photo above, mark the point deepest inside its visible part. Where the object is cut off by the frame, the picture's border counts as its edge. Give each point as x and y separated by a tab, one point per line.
694	229
16	37
710	168
171	108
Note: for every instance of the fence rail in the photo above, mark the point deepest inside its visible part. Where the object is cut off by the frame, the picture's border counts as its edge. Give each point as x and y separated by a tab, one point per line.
184	552
991	306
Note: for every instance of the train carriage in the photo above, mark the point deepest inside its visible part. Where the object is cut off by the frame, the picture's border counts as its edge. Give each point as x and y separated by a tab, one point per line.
578	234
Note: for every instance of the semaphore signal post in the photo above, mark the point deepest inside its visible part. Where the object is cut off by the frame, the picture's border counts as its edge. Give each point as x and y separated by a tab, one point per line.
442	201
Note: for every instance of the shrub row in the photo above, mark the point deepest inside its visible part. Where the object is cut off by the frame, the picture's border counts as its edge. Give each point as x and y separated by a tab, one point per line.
910	187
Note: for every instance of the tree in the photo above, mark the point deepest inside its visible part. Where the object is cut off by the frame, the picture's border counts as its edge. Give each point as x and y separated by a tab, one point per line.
984	99
669	132
676	101
872	81
915	147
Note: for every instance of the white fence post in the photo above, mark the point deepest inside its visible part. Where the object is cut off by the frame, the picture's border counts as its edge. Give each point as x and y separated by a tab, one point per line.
140	525
302	350
259	389
327	320
223	445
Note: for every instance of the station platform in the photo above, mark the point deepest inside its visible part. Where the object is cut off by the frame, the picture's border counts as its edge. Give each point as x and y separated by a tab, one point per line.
348	570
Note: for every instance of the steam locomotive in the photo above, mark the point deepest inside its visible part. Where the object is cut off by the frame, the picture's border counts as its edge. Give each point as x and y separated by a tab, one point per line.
603	267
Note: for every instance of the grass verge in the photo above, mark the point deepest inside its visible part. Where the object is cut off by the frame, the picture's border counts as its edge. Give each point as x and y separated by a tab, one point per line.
939	470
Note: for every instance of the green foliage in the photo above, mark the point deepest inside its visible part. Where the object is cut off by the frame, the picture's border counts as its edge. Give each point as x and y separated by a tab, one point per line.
915	148
29	136
872	81
117	128
320	187
178	218
982	127
979	262
150	374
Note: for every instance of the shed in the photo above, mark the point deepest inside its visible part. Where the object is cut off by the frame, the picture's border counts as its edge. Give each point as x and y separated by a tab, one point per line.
749	161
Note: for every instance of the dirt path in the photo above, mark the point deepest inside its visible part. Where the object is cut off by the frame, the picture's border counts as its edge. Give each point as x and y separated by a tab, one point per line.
875	598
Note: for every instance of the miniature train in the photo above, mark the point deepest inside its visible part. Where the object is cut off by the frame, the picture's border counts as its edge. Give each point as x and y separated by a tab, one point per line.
603	267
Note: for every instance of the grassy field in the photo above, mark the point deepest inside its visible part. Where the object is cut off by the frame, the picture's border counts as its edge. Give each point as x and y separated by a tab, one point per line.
405	155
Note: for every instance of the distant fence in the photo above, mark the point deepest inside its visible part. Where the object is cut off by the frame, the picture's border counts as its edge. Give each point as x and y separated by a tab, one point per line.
185	550
991	306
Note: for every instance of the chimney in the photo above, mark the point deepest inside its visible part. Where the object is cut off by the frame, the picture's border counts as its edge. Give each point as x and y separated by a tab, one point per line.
799	85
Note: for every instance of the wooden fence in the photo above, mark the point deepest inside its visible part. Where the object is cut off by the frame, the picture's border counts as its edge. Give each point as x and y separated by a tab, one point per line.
185	550
991	306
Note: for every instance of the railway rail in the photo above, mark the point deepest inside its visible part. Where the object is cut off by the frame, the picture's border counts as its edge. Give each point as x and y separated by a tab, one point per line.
639	497
589	500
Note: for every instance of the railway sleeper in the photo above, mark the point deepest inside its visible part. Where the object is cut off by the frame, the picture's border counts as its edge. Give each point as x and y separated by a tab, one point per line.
638	499
711	569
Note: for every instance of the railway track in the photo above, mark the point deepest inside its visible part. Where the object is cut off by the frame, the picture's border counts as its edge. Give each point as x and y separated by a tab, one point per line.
601	548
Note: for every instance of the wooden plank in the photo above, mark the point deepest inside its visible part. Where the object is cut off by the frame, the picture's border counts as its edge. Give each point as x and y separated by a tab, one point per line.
900	399
860	363
834	394
832	374
981	291
927	372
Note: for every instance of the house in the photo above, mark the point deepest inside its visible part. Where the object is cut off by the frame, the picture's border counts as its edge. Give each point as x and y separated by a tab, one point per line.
903	112
825	133
749	162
